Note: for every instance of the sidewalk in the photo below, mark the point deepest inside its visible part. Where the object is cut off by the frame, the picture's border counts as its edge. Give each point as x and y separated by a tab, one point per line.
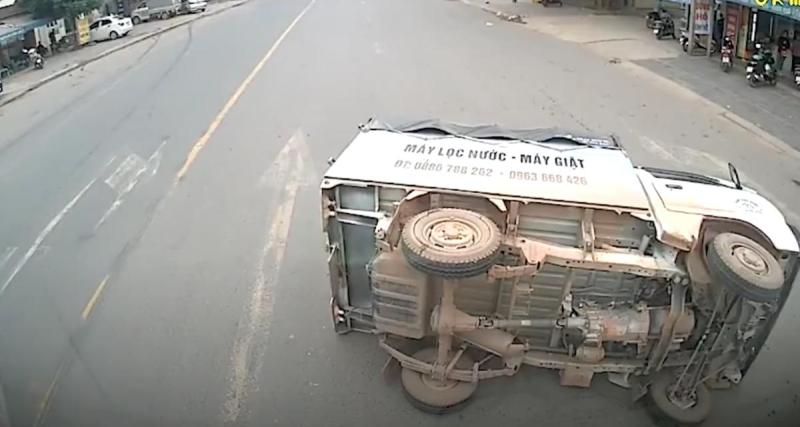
30	78
776	110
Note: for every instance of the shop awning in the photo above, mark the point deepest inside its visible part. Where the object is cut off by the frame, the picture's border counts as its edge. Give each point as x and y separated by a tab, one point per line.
787	8
14	29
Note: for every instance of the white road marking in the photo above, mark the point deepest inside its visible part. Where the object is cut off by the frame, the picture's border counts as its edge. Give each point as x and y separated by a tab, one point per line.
7	254
656	148
122	175
110	161
43	235
203	140
125	178
287	174
278	171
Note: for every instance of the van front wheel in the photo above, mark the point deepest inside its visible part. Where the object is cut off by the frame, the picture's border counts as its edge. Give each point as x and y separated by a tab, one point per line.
691	409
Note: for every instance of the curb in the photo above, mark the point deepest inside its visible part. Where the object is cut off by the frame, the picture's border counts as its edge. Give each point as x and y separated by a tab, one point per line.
763	137
103	54
774	143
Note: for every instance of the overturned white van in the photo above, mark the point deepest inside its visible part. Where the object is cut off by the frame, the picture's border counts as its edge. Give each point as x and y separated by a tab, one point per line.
484	249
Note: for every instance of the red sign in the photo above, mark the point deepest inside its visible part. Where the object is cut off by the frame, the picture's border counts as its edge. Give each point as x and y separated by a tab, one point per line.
732	21
701	17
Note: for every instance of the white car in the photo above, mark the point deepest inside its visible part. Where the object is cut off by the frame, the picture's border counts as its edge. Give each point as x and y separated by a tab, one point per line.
110	28
487	249
196	6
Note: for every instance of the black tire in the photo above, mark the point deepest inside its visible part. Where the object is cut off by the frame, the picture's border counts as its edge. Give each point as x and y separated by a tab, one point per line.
451	243
421	392
114	35
136	20
773	82
744	267
685	47
164	16
693	415
751	81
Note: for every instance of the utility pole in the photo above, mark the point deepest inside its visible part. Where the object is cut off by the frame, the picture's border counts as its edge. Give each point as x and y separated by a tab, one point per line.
690	46
4	419
712	26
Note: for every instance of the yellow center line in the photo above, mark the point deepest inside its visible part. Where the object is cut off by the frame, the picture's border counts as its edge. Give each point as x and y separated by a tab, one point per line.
203	140
87	311
44	405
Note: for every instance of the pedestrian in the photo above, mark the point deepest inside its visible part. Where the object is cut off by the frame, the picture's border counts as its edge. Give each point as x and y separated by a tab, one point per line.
783	49
796	50
52	36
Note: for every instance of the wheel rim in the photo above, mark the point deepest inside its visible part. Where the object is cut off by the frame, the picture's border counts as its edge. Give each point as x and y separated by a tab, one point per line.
452	235
438	385
437	394
750	259
683	401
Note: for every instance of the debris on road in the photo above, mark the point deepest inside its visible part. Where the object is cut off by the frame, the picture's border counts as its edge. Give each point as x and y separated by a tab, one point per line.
510	18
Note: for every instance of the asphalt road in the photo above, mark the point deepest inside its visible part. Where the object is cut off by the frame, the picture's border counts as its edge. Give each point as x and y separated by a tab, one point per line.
161	258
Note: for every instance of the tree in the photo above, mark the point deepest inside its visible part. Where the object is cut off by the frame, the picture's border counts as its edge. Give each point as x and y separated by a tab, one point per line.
59	8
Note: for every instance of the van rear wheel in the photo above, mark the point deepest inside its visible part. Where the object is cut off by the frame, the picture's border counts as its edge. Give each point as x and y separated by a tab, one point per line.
436	396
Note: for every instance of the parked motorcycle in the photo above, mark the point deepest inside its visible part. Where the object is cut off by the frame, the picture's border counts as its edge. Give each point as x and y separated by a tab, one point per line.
664	28
726	55
797	76
547	3
761	68
684	40
34	58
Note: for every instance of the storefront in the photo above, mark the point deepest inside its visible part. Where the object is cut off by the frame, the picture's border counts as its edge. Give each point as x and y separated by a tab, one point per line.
23	32
748	21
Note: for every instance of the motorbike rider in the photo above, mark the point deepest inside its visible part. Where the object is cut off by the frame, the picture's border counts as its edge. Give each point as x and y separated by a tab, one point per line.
34	57
763	56
667	24
40	49
727	43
